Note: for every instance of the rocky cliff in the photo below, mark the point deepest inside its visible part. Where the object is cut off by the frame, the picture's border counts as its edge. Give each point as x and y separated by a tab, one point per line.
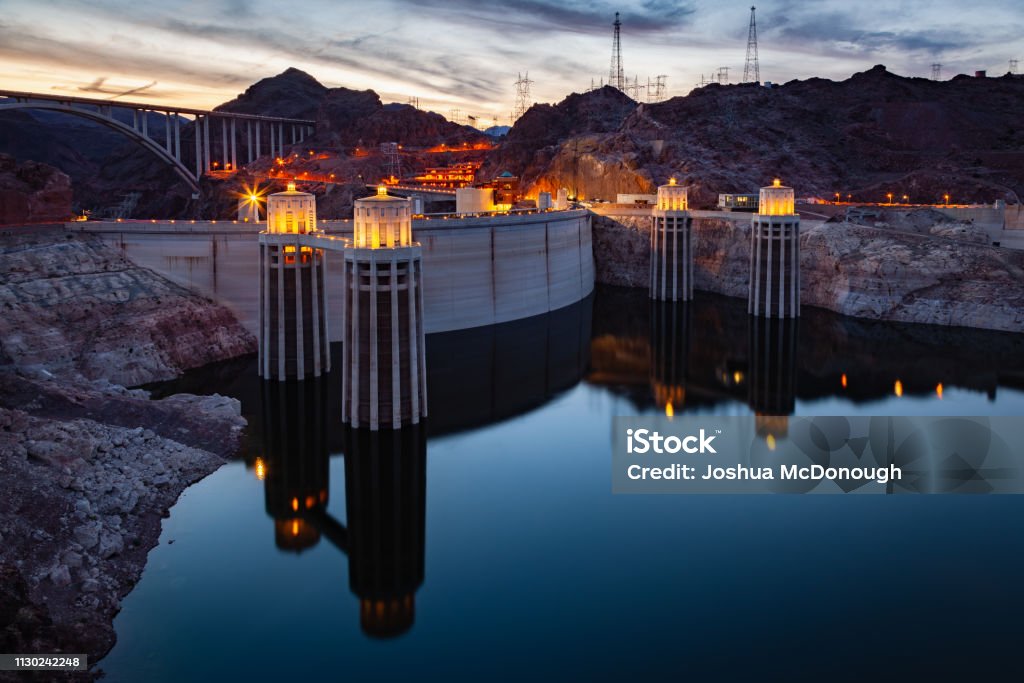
32	192
78	307
854	270
873	133
87	467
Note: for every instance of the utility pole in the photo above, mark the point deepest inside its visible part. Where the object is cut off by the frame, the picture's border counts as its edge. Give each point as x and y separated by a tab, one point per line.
751	69
936	72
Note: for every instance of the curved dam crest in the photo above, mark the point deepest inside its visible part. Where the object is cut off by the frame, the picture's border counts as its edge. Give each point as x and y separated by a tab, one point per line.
477	271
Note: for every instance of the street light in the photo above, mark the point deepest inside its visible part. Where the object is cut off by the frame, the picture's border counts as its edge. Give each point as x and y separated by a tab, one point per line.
889	195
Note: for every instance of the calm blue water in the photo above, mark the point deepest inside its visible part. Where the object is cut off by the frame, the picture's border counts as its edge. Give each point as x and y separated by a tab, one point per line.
488	545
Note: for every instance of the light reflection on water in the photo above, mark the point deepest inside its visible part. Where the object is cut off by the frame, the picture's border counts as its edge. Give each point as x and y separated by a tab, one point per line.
488	544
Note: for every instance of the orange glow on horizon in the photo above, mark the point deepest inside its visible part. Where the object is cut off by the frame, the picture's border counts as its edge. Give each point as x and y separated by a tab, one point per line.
669	410
898	388
844	381
261	469
938	390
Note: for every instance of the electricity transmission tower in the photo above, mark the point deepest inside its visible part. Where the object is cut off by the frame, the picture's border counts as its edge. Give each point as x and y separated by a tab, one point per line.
751	69
392	160
723	75
936	72
634	89
522	95
1013	67
656	90
615	75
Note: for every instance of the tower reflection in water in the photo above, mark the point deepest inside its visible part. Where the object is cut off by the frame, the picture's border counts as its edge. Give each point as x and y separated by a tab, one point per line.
772	375
671	332
385	499
698	355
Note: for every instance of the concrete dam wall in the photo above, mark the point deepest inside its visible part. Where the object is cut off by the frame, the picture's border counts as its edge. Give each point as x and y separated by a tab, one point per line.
477	271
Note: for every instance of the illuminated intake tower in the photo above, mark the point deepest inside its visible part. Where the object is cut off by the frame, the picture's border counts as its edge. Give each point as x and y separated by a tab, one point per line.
384	383
671	255
293	302
775	255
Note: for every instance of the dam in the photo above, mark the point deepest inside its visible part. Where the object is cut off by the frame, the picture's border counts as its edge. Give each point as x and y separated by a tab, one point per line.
477	270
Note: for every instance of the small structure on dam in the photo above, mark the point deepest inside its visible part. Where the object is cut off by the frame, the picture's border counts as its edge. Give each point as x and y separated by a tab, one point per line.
293	335
775	255
384	381
671	253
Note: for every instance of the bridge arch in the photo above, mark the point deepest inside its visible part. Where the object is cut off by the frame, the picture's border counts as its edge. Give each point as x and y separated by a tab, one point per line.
136	136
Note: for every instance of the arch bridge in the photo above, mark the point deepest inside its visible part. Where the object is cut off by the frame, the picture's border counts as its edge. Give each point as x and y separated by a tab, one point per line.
212	152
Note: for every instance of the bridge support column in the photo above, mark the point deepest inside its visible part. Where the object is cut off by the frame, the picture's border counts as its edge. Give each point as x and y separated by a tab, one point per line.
167	132
273	150
206	144
145	123
197	125
177	136
280	138
224	143
248	141
258	140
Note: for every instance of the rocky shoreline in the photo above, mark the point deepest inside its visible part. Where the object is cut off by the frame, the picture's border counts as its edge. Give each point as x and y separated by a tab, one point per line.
89	468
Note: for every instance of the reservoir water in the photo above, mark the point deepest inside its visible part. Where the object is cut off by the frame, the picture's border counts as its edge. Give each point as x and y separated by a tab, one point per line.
487	544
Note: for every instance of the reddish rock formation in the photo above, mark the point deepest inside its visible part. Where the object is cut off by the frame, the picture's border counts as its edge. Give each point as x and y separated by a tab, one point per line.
870	134
31	192
291	94
537	138
77	307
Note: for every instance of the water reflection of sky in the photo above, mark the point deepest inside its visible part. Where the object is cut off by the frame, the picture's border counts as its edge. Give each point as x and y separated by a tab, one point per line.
532	569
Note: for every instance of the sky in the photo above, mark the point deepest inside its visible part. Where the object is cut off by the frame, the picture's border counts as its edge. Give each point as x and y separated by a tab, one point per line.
467	54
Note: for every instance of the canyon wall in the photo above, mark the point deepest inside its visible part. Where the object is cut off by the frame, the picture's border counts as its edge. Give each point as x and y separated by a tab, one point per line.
850	269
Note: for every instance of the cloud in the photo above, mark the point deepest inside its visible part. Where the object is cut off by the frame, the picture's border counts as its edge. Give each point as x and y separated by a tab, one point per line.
98	86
